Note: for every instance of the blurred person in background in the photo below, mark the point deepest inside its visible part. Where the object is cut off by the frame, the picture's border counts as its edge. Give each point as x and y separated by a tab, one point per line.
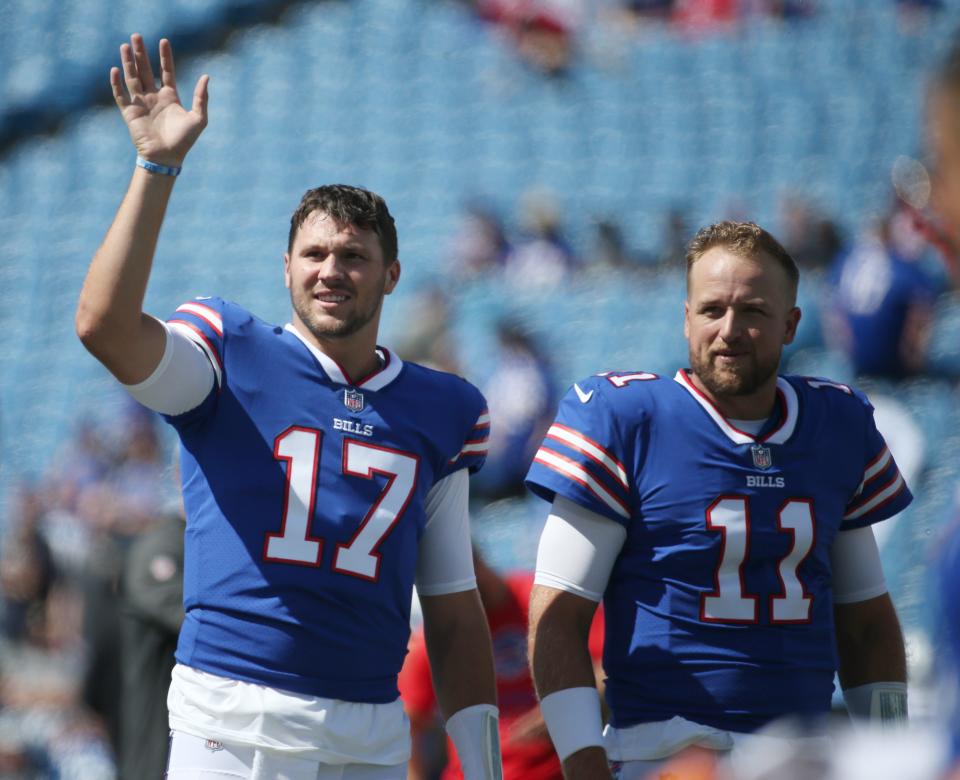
543	31
117	511
45	729
521	397
298	574
811	238
26	570
138	480
608	249
102	682
885	289
676	235
151	599
428	337
527	751
542	259
479	246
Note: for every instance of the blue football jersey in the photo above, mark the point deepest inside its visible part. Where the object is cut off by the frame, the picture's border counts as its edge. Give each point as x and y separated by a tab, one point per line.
304	493
719	606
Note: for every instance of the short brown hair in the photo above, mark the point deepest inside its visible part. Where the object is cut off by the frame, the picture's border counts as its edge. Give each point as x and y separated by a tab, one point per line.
350	206
746	239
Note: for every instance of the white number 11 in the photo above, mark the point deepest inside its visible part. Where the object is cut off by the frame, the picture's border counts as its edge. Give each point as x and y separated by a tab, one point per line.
729	603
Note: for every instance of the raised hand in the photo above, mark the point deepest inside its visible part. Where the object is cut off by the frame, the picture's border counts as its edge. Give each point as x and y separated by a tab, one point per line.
161	128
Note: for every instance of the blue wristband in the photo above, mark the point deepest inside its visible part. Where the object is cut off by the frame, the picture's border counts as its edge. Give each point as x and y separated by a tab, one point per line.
166	170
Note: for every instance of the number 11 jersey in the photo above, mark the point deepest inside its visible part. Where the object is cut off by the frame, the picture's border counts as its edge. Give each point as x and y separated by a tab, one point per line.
719	606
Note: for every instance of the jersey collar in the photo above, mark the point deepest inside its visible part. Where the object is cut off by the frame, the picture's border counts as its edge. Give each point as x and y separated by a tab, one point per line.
377	380
786	397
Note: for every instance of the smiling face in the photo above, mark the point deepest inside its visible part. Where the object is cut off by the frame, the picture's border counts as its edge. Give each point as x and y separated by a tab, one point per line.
739	314
337	279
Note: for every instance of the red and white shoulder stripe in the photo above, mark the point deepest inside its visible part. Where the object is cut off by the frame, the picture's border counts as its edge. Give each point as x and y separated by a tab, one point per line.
205	313
882	483
579	458
477	442
192	317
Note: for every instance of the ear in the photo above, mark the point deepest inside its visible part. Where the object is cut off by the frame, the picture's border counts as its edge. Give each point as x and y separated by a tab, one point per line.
393	276
286	270
793	320
686	320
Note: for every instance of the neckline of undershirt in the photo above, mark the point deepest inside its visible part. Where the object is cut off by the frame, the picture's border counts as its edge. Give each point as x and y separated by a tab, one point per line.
753	427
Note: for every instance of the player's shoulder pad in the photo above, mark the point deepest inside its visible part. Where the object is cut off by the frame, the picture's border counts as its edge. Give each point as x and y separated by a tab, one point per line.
202	303
459	412
215	313
450	387
615	388
818	389
444	382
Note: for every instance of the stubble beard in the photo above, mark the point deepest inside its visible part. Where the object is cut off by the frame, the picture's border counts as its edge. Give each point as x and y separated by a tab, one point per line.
325	327
731	382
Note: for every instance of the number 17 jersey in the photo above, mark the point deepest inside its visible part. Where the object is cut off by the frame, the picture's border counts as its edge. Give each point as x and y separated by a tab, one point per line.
305	494
719	607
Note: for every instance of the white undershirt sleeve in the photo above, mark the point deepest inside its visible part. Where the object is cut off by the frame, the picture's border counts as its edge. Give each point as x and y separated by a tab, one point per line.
857	573
182	379
578	549
445	560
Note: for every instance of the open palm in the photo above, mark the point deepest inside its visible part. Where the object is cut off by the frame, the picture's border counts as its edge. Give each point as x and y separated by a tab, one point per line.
161	128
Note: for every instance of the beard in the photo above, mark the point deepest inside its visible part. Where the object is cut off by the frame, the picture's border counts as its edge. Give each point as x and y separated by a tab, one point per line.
732	381
324	326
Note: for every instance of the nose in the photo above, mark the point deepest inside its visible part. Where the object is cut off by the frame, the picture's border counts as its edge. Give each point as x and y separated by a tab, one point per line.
730	326
330	268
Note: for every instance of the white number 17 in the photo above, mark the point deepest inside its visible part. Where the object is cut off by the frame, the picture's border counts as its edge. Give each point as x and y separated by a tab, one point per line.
300	449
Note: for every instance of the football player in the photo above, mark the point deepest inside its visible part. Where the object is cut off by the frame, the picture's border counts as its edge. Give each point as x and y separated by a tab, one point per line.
322	476
723	515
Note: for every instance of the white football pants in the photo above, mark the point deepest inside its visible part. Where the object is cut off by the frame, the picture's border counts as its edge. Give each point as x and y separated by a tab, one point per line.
195	758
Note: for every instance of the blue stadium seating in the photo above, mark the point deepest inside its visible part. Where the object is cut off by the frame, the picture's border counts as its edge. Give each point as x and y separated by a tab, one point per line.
54	56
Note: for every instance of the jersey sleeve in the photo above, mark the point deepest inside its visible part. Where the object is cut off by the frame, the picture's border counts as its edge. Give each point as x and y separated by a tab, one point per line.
582	456
445	558
474	443
882	491
201	321
182	380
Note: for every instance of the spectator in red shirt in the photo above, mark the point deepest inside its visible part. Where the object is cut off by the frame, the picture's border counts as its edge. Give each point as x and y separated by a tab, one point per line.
527	751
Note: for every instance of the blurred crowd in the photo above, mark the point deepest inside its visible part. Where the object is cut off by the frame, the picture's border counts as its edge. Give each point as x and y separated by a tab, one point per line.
549	34
63	554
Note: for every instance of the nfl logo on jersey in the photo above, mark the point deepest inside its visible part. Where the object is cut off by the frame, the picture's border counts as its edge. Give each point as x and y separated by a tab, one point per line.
353	400
762	458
